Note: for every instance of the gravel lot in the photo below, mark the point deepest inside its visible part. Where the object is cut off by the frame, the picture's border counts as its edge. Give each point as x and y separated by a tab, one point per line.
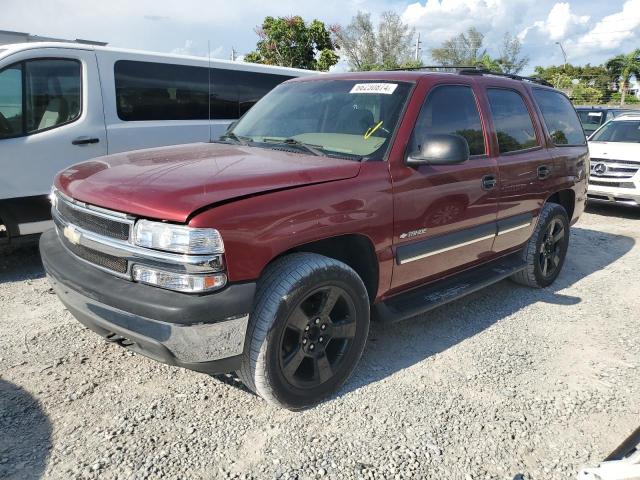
506	383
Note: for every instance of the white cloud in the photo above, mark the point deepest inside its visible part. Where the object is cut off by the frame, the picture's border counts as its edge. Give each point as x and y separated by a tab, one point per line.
612	31
560	22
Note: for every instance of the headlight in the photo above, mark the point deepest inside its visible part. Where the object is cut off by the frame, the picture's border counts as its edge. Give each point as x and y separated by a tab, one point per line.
180	282
177	238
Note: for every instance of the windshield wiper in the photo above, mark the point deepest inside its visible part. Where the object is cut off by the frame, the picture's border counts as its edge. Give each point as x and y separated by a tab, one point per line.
241	140
315	149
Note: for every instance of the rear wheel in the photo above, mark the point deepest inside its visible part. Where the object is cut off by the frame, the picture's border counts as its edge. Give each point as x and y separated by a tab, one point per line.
307	331
546	251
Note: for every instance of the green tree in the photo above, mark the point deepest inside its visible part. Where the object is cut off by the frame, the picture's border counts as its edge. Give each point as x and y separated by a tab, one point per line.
622	68
593	76
463	49
386	48
511	60
583	95
290	42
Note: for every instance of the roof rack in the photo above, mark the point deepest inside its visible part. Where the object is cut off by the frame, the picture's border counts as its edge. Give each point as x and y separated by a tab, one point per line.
471	70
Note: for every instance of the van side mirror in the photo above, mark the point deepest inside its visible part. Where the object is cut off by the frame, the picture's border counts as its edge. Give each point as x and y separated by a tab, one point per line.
440	149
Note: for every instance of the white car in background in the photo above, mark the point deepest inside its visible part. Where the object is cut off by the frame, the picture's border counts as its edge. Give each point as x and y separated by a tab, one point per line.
615	161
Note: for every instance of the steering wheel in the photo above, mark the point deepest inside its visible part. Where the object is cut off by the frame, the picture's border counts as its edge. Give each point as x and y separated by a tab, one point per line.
5	126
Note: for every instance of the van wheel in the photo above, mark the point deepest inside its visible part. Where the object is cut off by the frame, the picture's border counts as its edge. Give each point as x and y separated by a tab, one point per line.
307	330
547	248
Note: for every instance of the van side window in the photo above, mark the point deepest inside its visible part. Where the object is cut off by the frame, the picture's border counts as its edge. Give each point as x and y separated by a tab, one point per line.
450	109
11	101
511	119
159	91
559	117
38	95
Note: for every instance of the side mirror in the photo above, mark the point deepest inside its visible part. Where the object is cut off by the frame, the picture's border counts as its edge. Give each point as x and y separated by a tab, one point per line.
440	149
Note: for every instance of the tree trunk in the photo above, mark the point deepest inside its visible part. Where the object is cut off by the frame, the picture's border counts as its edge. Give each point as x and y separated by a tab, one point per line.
623	93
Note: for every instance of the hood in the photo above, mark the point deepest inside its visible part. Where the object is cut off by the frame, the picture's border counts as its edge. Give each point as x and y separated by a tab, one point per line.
170	183
615	151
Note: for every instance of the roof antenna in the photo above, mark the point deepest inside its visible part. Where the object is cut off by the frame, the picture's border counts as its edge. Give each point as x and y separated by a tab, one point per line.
209	84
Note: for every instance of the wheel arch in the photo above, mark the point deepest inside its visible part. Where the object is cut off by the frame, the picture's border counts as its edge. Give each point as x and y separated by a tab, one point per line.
355	250
566	198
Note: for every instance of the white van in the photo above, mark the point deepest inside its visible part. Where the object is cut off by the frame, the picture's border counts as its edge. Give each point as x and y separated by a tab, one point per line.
64	103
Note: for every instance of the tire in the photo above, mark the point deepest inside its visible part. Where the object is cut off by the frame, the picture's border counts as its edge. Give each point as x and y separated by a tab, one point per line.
547	248
294	332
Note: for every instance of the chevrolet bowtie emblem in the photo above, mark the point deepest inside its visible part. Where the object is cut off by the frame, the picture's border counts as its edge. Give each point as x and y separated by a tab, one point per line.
72	234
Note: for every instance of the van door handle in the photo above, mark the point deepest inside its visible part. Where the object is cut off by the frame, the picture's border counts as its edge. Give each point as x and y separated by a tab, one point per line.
85	140
543	172
489	182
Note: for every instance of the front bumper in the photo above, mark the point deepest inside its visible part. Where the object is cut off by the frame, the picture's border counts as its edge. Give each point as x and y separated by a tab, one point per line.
200	332
604	193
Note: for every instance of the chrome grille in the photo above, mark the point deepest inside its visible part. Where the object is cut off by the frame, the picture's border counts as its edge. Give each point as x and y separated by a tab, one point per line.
115	264
94	221
604	168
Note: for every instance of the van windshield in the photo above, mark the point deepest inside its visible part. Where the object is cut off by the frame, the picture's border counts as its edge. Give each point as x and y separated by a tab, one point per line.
619	131
346	118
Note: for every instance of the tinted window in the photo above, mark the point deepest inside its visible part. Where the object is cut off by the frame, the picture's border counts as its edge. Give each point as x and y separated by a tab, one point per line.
11	101
38	95
619	131
450	109
157	91
53	93
511	120
560	117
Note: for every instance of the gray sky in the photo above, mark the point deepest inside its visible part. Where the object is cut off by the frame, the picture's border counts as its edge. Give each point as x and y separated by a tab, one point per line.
590	30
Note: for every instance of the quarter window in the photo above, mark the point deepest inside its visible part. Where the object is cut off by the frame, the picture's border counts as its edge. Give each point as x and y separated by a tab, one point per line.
511	120
450	109
559	117
38	95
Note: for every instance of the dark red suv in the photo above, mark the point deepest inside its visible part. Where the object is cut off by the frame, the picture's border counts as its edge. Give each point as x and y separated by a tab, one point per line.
335	199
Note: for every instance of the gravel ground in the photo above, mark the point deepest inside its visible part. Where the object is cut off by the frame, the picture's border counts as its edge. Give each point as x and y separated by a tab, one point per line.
508	383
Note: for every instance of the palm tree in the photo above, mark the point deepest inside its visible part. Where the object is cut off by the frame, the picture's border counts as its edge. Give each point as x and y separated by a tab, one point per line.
622	68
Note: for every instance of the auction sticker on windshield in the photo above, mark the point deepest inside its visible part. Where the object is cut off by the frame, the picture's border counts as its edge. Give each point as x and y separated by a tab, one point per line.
386	88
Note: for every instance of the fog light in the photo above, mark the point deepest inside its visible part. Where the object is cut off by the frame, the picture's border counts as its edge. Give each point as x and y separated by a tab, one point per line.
180	282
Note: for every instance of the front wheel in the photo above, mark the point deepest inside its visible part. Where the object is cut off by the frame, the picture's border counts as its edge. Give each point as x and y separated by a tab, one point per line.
547	248
307	330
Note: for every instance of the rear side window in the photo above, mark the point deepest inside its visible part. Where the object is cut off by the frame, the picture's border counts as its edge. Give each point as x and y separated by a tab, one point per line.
38	95
559	117
450	109
511	120
158	91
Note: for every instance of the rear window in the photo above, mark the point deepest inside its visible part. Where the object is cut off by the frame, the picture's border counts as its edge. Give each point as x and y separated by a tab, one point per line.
619	131
592	119
559	117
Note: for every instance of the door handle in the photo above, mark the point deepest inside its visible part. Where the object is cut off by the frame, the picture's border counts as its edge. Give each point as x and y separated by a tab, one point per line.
85	140
543	172
489	182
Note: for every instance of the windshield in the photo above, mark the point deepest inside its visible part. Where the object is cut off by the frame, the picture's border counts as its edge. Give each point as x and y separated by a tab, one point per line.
590	119
619	131
346	118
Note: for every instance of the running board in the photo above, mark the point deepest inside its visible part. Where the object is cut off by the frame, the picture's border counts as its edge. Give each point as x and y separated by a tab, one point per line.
423	299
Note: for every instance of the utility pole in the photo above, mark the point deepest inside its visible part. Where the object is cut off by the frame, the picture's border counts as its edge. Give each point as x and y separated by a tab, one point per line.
564	54
418	42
